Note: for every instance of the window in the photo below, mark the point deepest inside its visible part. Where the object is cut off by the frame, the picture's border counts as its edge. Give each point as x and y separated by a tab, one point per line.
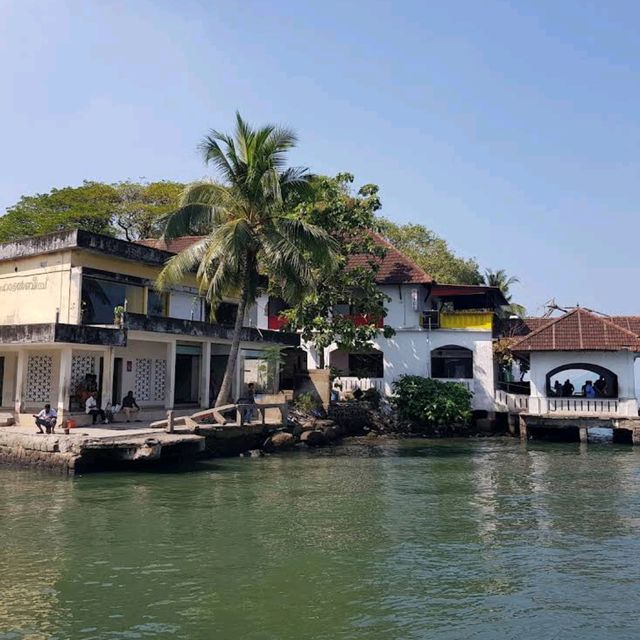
224	313
100	297
452	362
366	365
157	303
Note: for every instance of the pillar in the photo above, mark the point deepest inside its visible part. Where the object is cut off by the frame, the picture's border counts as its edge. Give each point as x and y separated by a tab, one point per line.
107	377
635	436
584	434
21	366
205	376
170	388
64	383
523	428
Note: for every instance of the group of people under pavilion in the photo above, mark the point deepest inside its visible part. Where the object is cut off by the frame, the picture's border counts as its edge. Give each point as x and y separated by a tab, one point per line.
590	389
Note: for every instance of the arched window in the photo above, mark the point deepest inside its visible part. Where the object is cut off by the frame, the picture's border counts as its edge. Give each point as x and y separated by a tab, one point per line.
452	362
581	380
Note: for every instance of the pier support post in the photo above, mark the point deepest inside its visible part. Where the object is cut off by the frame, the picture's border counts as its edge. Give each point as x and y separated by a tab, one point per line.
523	428
635	436
170	421
584	435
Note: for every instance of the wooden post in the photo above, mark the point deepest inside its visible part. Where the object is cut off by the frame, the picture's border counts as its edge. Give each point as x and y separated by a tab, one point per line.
584	435
523	428
264	412
170	421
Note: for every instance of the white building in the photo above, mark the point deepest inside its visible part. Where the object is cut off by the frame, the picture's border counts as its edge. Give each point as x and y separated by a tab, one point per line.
442	331
573	352
58	337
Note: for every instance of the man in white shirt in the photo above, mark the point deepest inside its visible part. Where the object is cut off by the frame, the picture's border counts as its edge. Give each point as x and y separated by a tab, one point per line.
91	408
47	419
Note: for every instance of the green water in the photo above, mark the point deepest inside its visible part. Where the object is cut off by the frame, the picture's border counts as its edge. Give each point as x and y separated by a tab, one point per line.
484	539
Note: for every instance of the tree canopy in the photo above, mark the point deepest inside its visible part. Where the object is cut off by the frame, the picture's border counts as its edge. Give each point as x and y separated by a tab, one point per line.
125	209
431	252
347	215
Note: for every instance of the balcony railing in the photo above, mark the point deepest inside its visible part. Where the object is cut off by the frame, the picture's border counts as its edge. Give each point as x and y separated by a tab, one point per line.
469	320
349	383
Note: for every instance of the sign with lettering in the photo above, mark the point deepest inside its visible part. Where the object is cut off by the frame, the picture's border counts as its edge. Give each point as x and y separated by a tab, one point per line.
34	284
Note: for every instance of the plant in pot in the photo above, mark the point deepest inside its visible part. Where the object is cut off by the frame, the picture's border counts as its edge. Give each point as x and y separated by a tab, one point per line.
118	315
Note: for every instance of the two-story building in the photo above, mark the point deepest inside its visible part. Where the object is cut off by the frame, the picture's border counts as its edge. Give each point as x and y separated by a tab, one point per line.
442	331
59	337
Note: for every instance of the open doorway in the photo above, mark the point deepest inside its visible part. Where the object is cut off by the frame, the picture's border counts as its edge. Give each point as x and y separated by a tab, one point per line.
187	385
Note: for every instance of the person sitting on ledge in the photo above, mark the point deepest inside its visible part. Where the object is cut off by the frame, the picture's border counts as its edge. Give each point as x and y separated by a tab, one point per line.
47	419
130	407
91	408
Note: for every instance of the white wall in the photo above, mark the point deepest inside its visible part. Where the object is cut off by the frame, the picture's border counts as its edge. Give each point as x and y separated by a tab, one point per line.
133	351
409	353
400	311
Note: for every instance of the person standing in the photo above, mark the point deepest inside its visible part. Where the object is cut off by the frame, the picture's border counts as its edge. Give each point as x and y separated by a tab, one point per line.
568	389
130	406
91	408
249	399
47	419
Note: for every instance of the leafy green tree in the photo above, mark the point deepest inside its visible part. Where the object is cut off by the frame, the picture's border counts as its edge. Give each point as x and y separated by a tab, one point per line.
349	217
431	253
126	209
88	207
140	206
250	230
504	282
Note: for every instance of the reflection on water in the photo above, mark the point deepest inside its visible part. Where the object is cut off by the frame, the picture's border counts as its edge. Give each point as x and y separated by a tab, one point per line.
471	539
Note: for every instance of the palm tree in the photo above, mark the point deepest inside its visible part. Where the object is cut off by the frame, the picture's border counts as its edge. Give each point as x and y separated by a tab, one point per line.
502	281
248	230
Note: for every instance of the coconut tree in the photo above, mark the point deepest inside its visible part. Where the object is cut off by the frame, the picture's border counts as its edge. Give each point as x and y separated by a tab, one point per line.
247	227
502	281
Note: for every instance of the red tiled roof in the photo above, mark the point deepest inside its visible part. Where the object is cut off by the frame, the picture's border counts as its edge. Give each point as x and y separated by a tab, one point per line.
395	267
631	323
579	330
175	246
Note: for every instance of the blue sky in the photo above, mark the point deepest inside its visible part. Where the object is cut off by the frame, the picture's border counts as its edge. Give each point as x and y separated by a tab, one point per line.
510	128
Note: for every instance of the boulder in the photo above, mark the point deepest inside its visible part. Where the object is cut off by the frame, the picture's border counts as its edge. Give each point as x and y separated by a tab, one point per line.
282	440
313	438
331	433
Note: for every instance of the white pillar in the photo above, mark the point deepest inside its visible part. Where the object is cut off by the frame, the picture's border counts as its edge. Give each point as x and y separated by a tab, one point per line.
170	389
107	377
205	375
64	383
238	387
21	366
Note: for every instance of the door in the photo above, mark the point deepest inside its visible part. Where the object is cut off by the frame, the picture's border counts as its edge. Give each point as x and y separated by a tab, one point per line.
187	379
116	393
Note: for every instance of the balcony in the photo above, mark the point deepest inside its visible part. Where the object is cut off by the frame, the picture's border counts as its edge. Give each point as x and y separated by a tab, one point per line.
465	320
194	328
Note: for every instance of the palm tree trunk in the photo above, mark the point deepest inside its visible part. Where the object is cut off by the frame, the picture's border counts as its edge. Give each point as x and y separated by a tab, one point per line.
227	380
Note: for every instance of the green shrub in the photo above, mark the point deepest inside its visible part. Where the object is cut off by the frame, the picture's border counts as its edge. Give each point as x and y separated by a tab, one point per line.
306	402
431	402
